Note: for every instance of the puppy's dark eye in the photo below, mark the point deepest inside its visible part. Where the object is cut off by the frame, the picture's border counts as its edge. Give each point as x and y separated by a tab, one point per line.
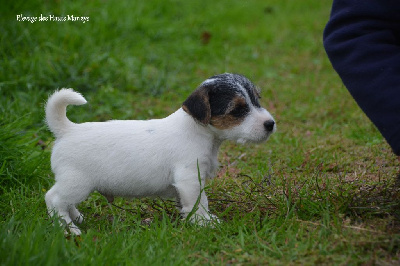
239	110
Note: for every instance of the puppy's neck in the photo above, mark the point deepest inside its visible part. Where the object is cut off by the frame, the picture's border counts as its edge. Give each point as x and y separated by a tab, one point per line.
195	128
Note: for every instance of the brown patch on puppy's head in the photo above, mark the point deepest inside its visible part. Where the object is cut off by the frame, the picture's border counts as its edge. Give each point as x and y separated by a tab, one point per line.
228	105
225	121
233	115
198	106
221	101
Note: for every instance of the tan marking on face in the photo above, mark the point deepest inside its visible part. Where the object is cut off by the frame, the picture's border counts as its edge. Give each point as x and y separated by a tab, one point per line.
236	102
227	121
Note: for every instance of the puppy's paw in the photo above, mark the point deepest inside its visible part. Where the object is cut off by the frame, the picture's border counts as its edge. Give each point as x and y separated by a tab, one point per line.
204	219
215	219
72	231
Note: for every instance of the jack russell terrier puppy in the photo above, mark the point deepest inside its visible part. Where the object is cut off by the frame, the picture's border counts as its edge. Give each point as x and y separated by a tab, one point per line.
170	157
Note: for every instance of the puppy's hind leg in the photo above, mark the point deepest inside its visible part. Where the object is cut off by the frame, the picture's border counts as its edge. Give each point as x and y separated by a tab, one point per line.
57	207
75	215
61	201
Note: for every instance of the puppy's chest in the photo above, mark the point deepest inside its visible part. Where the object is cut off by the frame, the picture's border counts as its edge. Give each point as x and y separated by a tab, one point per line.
213	171
212	164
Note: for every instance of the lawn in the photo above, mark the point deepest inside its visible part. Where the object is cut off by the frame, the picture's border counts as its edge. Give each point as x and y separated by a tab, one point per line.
321	191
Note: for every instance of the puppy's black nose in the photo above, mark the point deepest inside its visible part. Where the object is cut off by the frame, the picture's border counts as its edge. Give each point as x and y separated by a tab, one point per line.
269	125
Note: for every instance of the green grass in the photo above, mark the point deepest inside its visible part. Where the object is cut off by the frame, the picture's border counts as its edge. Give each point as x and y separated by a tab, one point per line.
320	191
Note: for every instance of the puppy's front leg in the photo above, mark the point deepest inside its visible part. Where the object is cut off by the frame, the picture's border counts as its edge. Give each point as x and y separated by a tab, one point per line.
193	198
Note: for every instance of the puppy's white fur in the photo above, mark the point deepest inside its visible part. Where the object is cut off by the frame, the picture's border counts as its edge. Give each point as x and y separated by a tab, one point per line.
159	157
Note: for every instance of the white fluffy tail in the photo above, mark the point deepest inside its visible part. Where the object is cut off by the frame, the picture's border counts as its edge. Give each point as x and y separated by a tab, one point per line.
56	110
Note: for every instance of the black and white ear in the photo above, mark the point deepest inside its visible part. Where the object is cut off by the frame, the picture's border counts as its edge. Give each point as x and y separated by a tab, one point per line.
198	105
